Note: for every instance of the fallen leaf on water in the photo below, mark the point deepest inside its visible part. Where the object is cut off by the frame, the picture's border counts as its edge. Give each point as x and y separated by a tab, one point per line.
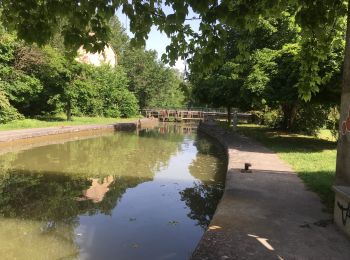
135	245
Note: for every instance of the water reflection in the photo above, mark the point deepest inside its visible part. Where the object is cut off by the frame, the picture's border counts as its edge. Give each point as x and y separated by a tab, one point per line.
144	196
203	197
98	189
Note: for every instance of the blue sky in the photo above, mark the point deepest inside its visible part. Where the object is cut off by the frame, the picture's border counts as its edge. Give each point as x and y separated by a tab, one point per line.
157	40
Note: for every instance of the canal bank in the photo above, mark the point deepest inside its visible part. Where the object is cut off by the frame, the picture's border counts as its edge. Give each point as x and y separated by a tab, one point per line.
15	135
267	213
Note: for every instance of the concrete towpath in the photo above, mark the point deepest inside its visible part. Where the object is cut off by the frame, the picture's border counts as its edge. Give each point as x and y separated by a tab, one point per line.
268	213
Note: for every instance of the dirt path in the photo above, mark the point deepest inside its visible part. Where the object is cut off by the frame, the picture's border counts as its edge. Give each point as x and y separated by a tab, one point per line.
268	213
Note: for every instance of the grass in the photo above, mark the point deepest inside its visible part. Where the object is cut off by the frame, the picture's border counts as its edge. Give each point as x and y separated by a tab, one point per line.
312	158
60	121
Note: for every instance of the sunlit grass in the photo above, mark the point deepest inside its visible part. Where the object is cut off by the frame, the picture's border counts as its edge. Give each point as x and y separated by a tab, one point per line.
60	121
312	158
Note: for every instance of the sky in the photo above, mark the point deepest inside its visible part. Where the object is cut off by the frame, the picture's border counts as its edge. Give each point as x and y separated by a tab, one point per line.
157	40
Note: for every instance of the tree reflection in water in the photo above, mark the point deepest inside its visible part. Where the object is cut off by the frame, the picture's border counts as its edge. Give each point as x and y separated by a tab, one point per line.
45	191
202	200
209	166
54	197
49	183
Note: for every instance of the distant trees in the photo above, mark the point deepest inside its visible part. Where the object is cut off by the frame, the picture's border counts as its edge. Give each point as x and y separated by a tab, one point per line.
154	84
36	81
43	81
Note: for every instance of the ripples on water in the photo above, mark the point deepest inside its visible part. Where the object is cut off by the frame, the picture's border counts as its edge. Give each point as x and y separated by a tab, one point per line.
149	195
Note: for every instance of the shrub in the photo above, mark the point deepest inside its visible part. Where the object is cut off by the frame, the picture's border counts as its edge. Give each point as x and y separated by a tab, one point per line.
310	118
7	112
102	91
272	118
128	105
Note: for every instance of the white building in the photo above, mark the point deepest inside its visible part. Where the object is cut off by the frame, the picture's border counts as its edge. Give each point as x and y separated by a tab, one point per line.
107	56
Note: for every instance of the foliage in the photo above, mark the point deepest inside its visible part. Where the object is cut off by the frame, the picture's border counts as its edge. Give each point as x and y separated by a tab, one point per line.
103	91
271	118
268	78
86	23
153	83
46	80
221	89
167	89
303	37
333	122
21	89
119	40
30	77
310	118
7	112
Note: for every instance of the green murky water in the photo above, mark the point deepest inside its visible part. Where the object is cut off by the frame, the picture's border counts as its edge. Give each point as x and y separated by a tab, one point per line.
116	196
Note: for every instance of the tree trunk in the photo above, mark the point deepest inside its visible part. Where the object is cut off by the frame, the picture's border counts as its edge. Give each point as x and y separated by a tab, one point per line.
229	116
343	152
289	113
69	110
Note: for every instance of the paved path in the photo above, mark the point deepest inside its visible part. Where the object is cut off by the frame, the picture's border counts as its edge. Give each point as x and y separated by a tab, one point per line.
267	214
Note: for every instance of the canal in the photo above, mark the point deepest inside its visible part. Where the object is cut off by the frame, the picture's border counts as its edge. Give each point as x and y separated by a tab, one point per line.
145	195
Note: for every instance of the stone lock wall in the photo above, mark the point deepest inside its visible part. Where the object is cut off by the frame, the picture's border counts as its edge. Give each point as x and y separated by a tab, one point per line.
342	208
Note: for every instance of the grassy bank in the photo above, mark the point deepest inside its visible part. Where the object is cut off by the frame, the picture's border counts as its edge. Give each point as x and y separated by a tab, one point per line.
313	158
60	121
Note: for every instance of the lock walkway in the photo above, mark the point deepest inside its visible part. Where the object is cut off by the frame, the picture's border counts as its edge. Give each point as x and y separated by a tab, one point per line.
268	213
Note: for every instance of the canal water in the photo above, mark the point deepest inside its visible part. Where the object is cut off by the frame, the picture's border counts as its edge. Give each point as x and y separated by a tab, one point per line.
145	195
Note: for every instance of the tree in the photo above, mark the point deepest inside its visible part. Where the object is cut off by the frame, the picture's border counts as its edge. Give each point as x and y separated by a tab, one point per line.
269	76
20	88
154	84
86	23
119	40
43	80
219	89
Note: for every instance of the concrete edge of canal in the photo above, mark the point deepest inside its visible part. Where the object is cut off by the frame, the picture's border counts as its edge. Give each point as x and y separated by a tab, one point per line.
266	213
23	139
14	135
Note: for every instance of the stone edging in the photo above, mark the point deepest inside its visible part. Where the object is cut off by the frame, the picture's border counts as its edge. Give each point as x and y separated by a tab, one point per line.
14	135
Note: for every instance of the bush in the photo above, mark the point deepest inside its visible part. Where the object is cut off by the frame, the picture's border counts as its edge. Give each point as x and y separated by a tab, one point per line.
128	105
310	118
270	117
257	117
102	91
22	90
7	112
